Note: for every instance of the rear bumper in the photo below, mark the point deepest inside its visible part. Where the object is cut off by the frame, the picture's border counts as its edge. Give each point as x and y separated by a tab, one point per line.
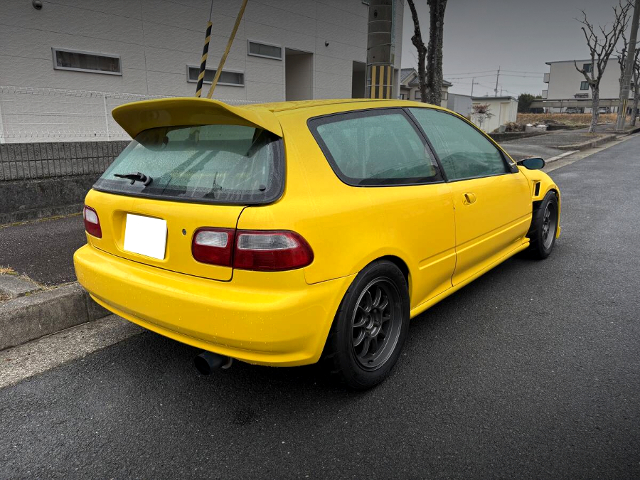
267	318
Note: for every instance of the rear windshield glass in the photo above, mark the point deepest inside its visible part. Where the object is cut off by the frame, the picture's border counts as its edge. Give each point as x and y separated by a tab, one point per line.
227	164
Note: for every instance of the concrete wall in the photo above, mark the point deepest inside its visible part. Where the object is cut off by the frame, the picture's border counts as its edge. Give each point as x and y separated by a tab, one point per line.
29	199
504	110
157	39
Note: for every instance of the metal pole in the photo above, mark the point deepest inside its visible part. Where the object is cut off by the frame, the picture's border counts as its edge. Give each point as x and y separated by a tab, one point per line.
628	69
473	81
226	52
497	78
106	113
205	54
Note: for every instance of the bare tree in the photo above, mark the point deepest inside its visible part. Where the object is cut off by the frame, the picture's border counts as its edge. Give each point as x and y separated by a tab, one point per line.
636	90
416	39
434	52
601	45
635	71
430	78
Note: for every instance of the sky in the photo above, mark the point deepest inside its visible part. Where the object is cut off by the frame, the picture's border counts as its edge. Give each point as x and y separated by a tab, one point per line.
518	36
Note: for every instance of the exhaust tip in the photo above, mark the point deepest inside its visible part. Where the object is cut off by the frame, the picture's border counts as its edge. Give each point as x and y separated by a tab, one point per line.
207	362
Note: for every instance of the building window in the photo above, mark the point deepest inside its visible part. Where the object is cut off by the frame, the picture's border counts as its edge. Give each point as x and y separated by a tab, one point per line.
264	50
586	67
417	95
227	77
86	61
403	96
445	95
584	85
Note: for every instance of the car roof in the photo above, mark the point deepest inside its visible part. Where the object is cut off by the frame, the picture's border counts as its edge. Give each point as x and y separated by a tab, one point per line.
340	104
138	116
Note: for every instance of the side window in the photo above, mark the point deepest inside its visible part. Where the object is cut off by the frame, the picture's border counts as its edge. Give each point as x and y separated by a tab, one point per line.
375	148
463	151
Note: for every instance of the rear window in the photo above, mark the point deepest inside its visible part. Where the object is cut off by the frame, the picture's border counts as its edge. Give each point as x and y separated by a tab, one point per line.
375	148
227	164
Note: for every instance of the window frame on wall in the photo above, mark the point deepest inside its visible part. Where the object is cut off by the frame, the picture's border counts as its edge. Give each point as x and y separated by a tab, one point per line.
266	44
220	81
584	85
55	50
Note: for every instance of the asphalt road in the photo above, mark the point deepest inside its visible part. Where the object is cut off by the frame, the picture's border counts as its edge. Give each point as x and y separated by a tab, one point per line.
532	371
43	249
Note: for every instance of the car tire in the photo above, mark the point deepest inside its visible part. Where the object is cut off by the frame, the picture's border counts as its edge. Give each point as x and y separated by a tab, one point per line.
544	226
370	327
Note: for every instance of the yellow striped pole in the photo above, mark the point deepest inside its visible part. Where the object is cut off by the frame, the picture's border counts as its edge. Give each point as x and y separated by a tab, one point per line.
203	61
373	81
389	71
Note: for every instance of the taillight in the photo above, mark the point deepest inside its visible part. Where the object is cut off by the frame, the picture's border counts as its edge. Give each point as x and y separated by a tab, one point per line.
271	251
251	249
91	222
213	245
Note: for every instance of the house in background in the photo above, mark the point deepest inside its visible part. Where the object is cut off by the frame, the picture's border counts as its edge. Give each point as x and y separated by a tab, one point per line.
410	86
502	110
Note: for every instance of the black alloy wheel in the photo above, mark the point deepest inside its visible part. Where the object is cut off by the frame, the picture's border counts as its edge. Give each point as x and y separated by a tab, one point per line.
370	327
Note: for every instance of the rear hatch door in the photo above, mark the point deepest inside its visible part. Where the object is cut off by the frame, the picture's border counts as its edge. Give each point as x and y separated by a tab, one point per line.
173	179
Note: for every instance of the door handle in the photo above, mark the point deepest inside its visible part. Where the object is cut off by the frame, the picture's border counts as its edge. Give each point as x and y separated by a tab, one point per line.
469	198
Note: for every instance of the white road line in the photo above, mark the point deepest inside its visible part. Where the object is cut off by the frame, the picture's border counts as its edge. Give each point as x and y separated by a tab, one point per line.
32	358
562	155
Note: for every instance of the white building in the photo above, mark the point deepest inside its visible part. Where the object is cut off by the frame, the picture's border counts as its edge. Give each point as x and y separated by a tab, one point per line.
64	67
459	103
567	88
502	109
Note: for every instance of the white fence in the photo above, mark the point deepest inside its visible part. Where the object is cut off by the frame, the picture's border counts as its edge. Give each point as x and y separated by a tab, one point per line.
52	114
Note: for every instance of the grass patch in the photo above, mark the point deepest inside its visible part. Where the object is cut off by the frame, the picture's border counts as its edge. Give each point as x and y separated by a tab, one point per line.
7	271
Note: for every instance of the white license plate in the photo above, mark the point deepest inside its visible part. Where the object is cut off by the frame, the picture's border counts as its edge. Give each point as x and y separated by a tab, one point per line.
146	236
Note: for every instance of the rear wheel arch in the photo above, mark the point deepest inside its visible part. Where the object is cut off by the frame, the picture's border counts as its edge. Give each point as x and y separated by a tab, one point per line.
401	264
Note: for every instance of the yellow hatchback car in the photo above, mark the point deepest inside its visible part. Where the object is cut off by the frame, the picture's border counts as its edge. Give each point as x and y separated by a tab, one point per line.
279	234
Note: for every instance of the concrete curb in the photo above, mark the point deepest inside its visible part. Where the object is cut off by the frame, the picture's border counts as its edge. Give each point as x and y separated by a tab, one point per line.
588	144
561	156
33	316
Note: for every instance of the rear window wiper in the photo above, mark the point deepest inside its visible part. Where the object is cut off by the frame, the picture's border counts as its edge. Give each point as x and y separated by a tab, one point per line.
135	177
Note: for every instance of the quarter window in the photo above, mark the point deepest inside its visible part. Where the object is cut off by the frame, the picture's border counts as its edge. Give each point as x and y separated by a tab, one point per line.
463	151
375	148
584	85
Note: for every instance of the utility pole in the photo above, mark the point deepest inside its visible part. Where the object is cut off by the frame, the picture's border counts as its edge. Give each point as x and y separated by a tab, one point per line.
628	69
473	82
497	78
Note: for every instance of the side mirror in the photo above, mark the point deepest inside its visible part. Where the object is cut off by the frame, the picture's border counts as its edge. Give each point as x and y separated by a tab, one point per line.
534	163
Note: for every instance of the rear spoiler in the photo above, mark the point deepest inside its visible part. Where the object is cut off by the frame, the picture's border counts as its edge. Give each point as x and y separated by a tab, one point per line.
168	112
